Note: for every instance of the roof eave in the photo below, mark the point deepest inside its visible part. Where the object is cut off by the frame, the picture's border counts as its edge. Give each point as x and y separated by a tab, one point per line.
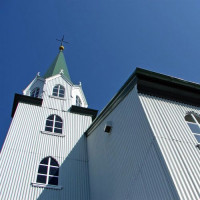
154	84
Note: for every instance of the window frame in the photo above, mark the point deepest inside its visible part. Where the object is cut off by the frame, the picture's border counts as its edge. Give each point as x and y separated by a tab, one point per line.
48	175
78	101
58	94
196	122
35	91
53	126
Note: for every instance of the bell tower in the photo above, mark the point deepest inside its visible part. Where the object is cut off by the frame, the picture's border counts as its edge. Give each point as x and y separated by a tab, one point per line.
44	155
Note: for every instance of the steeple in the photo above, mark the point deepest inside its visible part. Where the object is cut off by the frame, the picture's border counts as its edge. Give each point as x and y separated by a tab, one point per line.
58	66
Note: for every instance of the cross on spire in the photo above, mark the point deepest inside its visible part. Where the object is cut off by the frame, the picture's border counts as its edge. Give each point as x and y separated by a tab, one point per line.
61	45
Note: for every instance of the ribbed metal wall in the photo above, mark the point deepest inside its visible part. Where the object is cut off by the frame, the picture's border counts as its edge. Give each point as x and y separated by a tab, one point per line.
177	143
26	146
126	164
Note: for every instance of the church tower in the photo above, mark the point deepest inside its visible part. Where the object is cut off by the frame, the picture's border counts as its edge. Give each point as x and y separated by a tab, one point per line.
45	154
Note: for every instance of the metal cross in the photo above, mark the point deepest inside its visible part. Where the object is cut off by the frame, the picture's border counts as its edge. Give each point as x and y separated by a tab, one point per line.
62	40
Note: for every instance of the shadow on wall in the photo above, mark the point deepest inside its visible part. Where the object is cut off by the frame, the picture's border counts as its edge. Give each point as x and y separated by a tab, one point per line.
73	176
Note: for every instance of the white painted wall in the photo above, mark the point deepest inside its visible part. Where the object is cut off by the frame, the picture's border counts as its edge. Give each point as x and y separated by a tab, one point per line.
127	163
26	146
177	143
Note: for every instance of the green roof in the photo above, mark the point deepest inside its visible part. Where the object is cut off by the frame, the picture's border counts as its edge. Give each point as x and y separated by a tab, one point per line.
58	64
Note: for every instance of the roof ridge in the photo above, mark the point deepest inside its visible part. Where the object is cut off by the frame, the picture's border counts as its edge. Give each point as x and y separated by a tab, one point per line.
58	66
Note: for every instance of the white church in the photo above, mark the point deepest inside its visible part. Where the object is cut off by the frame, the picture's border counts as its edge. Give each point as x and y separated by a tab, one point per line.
145	144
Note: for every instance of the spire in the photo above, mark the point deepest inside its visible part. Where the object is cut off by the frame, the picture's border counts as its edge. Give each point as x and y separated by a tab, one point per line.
58	66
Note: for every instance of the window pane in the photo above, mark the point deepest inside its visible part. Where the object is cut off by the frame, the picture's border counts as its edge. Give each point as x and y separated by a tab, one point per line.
55	90
56	87
54	171
42	169
56	130
61	95
189	118
45	161
48	129
49	123
78	101
37	92
61	87
53	162
55	94
58	125
58	119
41	179
51	117
194	128
61	91
197	137
53	180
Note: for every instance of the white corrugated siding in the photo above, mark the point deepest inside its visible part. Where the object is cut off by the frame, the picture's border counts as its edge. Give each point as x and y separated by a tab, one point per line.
26	146
176	142
126	163
54	103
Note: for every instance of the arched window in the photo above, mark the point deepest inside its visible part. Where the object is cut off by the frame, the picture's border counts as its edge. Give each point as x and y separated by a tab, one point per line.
193	122
78	101
35	92
59	91
54	124
48	171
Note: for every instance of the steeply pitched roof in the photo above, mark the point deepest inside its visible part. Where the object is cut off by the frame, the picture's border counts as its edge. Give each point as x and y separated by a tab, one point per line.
58	64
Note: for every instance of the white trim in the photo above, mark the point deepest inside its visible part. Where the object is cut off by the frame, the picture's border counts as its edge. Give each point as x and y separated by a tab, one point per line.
56	97
54	134
57	76
55	187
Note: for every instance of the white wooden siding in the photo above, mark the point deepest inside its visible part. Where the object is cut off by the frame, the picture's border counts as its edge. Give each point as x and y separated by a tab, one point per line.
55	103
26	146
177	143
126	164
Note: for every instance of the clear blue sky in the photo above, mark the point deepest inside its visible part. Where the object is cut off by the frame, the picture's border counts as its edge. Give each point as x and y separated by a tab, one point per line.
108	40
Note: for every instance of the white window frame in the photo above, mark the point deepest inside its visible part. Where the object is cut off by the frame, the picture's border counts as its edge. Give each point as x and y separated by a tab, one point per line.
60	87
47	185
53	126
196	123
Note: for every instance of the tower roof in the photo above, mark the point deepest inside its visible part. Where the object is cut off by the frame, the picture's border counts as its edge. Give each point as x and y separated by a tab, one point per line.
58	66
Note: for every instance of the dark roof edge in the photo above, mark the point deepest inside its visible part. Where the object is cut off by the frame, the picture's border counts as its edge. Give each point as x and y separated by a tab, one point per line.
121	94
138	77
25	99
162	77
84	111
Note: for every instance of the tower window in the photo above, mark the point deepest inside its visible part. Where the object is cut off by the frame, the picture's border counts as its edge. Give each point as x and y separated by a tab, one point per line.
48	171
54	124
193	122
59	91
78	101
35	92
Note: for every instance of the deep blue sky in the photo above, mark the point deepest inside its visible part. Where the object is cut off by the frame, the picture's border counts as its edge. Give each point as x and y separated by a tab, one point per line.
108	40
